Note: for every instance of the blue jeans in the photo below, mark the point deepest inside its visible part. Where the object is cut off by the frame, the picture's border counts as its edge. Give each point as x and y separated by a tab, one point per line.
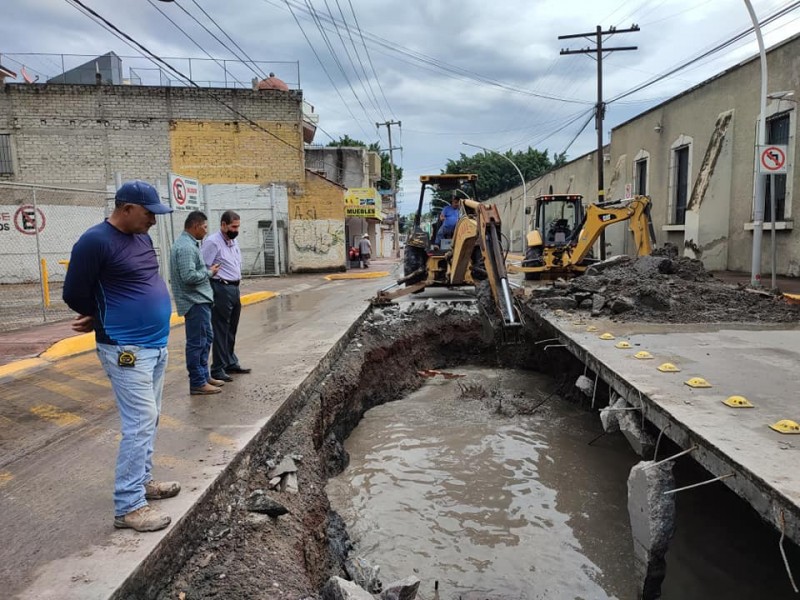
199	337
137	390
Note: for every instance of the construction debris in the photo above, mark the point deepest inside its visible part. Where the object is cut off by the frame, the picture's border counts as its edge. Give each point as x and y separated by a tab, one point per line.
663	287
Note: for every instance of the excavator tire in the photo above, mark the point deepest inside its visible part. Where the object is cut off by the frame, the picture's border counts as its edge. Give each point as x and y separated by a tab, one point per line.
413	260
532	255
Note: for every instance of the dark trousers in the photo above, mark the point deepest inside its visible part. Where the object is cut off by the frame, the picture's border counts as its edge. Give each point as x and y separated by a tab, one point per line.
225	321
199	337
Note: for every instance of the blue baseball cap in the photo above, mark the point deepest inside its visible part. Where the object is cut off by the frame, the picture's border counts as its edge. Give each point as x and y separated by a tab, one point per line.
144	194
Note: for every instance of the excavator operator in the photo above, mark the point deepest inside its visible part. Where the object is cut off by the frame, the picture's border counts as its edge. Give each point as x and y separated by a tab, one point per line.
448	219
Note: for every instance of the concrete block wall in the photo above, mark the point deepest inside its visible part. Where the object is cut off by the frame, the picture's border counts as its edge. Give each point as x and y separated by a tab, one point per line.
80	135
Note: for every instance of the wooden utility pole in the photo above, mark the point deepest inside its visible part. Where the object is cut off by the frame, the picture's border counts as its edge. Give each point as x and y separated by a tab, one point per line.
600	107
396	228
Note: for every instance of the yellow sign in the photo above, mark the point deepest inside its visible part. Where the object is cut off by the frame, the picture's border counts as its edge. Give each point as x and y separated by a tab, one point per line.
362	202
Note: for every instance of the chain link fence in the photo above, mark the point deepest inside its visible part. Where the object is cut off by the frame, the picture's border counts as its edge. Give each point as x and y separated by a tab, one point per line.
39	225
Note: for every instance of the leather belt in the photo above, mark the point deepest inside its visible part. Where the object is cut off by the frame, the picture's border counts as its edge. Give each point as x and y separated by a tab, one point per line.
225	281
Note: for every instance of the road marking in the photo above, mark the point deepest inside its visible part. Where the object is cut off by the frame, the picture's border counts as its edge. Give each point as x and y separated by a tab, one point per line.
221	440
51	413
72	373
67	391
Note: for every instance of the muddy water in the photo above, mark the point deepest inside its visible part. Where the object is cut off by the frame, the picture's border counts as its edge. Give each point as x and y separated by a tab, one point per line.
441	486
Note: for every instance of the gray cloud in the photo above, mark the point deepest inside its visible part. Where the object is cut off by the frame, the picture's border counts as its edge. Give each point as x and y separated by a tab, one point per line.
512	41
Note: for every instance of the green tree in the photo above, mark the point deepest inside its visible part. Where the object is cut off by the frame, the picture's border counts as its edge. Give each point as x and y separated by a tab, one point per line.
386	169
496	175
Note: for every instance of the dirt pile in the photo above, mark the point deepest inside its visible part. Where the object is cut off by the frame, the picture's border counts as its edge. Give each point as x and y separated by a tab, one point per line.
663	287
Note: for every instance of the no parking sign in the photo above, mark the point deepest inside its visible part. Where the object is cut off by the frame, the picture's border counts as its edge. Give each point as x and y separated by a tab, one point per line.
184	192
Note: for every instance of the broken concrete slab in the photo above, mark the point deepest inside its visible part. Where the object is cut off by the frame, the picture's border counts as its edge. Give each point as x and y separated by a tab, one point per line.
585	385
621	304
337	588
563	302
364	574
613	261
259	502
630	423
287	465
289	483
652	517
404	589
609	417
598	302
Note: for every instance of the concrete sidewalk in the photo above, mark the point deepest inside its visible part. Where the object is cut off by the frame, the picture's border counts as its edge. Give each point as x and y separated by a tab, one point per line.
59	437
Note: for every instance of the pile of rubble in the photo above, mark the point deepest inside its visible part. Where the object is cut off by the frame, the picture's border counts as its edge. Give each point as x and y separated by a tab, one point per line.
662	287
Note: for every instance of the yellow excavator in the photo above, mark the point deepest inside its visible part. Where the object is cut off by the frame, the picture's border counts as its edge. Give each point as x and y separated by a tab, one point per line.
560	242
472	257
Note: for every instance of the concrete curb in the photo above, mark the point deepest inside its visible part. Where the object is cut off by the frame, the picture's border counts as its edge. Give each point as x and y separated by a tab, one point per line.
78	344
372	275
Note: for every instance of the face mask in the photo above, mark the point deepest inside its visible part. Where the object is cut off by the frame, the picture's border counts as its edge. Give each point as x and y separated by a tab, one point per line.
231	235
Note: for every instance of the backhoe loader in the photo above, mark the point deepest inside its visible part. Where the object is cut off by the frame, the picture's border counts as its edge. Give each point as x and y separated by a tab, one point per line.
472	257
560	242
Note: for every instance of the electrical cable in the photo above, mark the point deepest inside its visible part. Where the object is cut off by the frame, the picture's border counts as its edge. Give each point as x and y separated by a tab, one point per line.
719	47
318	22
369	58
78	4
324	69
195	42
210	18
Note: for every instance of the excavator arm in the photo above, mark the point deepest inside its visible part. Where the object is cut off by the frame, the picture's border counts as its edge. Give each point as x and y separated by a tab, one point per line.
493	261
599	216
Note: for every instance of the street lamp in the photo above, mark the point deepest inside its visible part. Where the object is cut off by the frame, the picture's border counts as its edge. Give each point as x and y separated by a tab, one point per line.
524	185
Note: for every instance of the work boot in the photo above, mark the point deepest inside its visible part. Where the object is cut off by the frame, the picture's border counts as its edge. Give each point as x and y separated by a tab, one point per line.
145	518
158	490
216	382
204	390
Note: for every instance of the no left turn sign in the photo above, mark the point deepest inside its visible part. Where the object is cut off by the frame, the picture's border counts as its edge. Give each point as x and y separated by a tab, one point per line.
772	159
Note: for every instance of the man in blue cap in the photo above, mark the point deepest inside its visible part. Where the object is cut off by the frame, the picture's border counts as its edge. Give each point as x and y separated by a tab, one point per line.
113	284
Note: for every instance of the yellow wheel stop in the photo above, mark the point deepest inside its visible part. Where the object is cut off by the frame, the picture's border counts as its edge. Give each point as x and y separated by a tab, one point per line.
668	368
737	402
786	426
643	355
591	328
607	336
623	345
697	382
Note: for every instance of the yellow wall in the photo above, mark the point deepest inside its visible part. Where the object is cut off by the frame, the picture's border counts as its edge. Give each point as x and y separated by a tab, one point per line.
322	200
229	152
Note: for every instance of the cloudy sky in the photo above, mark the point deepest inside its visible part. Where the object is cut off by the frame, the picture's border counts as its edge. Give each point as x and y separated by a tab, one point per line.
488	73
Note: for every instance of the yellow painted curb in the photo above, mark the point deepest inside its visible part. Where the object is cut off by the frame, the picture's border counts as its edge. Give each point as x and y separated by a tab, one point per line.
85	342
372	275
77	344
19	366
257	297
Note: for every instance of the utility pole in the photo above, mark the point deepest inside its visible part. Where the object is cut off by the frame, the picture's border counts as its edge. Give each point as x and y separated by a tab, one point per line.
600	107
396	234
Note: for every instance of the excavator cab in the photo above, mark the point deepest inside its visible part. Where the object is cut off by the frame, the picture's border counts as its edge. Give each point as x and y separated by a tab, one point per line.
558	218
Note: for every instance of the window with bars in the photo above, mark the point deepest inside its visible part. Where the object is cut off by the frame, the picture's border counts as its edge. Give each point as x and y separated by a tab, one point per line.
777	133
6	162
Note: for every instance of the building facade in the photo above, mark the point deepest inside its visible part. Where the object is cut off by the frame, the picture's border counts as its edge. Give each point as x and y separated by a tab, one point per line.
696	156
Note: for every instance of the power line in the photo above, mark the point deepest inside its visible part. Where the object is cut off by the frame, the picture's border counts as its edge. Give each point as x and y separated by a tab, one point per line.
259	70
719	47
325	70
369	58
78	4
195	42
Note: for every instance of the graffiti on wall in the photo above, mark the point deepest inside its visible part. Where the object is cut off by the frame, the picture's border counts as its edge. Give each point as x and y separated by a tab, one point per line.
318	239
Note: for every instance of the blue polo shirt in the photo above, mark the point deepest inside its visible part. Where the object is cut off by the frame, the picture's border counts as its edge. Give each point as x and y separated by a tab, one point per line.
113	276
450	217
